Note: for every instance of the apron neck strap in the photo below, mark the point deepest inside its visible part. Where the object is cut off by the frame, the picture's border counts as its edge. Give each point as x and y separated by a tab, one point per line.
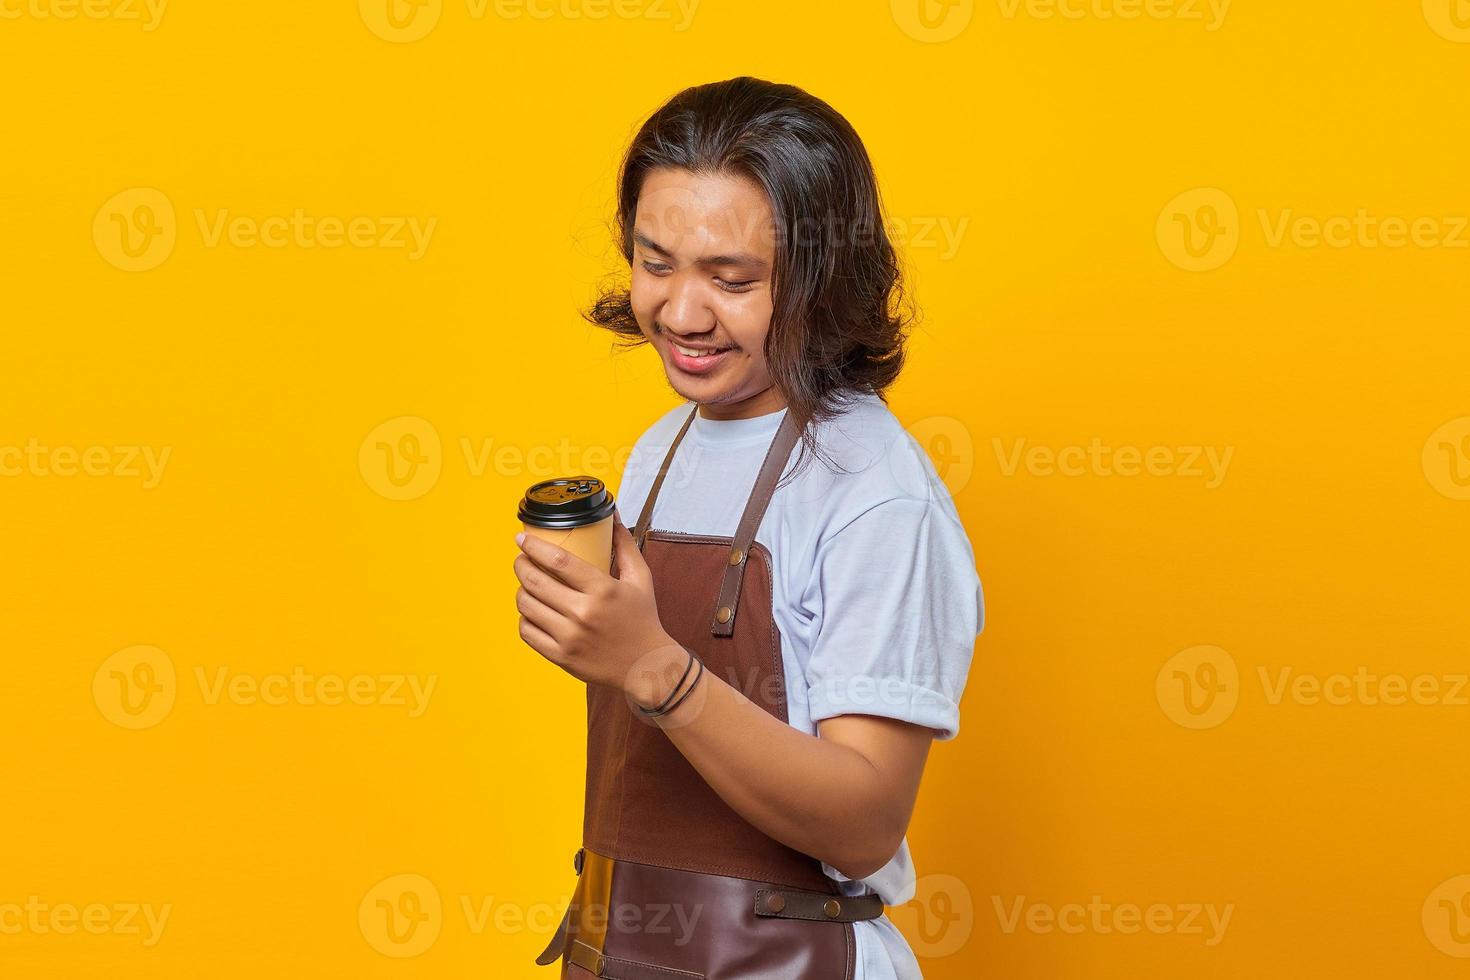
755	509
640	530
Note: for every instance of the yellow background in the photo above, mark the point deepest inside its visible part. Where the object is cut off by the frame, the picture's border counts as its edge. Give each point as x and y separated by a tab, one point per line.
1055	149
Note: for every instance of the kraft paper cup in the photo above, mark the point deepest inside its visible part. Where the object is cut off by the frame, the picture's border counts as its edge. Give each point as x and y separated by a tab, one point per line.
575	513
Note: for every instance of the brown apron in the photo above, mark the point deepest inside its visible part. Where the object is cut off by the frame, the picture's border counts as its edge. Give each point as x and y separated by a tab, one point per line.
672	883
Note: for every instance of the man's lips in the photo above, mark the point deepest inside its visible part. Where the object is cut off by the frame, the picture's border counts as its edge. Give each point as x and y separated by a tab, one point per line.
696	364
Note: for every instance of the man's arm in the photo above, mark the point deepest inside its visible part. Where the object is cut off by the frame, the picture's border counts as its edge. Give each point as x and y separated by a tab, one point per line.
844	797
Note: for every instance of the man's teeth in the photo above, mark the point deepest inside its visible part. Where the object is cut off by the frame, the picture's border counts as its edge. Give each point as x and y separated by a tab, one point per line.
697	353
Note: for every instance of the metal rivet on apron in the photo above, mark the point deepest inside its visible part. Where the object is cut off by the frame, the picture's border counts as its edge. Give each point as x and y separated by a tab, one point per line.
600	965
737	556
723	615
775	903
577	860
832	908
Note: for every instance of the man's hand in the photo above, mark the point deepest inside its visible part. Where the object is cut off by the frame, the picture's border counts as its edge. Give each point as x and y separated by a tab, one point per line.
600	629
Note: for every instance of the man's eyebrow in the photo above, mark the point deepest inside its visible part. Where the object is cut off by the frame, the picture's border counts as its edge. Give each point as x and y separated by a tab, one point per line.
650	244
738	259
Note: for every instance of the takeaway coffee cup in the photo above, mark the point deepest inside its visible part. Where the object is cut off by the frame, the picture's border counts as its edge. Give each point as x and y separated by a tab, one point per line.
575	513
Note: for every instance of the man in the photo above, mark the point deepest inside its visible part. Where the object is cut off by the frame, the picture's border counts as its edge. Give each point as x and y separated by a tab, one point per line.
771	658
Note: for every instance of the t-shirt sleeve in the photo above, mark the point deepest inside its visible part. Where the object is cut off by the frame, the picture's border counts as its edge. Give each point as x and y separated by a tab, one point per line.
897	605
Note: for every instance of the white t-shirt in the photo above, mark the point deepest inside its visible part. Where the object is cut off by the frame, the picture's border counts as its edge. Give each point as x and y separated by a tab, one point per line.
875	590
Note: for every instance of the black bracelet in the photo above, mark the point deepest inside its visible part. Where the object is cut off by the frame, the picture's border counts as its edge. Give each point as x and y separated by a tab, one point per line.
660	708
688	691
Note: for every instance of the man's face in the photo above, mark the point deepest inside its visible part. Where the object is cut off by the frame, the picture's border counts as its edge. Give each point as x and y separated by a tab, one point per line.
703	252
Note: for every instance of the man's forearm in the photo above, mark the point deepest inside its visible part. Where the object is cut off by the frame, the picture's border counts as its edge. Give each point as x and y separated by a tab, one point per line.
818	797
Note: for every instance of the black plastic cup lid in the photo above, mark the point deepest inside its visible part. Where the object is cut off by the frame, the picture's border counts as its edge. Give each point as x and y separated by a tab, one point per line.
566	502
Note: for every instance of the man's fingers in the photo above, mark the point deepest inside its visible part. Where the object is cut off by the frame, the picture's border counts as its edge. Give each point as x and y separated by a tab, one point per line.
539	640
540	615
560	562
544	585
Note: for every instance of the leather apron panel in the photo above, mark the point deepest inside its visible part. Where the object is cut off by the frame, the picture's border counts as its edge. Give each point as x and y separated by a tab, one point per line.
669	815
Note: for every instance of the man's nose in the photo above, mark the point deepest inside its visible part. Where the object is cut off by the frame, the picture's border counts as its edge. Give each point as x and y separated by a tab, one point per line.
685	310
